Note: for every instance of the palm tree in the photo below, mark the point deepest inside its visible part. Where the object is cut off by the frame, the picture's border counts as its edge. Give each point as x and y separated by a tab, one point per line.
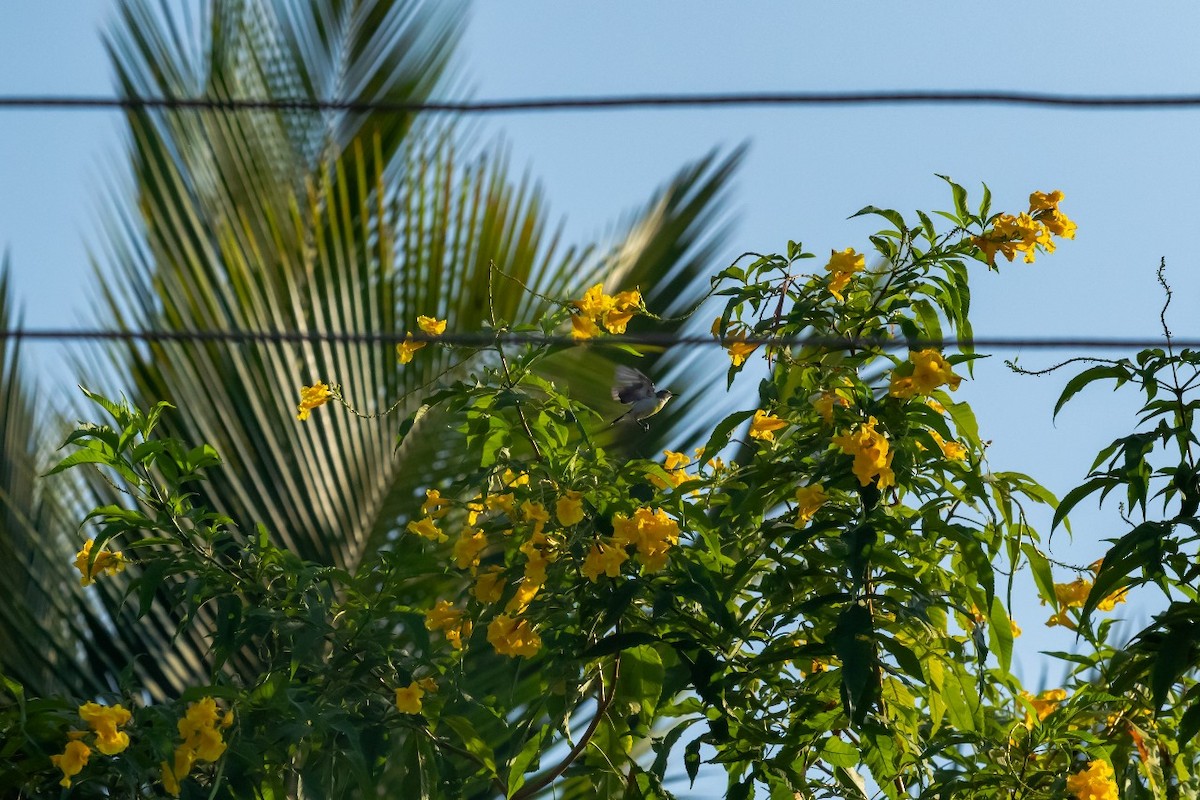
313	222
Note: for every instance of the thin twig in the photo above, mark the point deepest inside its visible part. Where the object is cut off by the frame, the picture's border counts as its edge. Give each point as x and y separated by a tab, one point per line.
537	451
549	776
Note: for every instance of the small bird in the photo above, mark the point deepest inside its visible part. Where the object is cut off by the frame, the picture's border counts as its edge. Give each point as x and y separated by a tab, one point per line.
637	391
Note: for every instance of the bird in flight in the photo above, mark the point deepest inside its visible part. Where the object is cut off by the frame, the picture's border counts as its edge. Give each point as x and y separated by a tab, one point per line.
637	391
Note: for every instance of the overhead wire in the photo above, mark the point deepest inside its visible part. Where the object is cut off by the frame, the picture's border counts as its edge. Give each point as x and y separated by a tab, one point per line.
609	102
490	338
616	102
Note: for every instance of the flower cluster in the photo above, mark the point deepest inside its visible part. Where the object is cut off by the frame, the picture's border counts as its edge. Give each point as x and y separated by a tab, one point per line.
675	465
1044	704
200	732
872	453
651	533
842	267
445	617
513	636
598	310
1094	783
104	722
312	396
1075	595
921	374
408	348
1025	233
108	563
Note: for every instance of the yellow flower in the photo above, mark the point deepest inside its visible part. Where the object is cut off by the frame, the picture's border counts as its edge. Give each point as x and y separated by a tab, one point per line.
653	533
513	636
1025	233
169	782
739	351
109	563
1044	208
427	528
1044	704
1094	783
1074	595
824	405
447	618
605	559
536	513
872	453
200	729
596	308
675	465
435	505
583	327
1110	602
526	591
929	371
594	302
538	552
312	396
951	450
569	509
489	585
810	499
842	265
408	698
105	720
71	761
408	348
511	479
764	425
471	542
1041	201
500	502
431	326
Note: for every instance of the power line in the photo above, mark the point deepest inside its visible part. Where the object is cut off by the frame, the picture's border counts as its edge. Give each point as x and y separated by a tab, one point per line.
615	102
488	338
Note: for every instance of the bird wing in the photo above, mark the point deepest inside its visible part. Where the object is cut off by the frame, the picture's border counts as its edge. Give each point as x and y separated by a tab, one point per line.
631	385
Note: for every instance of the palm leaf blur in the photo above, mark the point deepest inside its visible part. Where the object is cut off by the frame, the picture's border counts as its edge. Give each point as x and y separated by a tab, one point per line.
312	222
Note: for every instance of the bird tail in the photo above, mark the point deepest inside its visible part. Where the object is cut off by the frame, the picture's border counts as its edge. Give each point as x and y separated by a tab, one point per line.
618	419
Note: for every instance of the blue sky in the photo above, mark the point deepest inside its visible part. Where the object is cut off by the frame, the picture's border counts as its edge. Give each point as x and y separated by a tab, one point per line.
1129	178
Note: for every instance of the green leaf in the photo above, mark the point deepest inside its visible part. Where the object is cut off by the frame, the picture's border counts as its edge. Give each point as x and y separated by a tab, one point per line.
1090	375
1077	494
721	433
691	759
1189	724
619	642
839	753
1001	633
891	216
854	643
960	200
472	741
639	686
526	759
1141	548
87	456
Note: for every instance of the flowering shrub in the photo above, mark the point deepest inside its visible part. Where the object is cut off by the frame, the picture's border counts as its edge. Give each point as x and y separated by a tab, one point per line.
810	601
